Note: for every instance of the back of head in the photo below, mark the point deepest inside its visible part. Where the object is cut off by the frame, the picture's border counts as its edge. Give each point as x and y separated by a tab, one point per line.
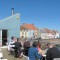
18	39
50	45
35	44
12	37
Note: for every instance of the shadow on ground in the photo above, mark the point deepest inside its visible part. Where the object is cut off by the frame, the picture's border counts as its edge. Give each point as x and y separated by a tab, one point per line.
9	57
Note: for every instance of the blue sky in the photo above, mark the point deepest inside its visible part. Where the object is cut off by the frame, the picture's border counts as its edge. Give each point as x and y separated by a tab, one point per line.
41	13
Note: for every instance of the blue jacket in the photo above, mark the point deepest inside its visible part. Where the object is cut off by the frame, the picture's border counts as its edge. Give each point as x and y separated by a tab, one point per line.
33	53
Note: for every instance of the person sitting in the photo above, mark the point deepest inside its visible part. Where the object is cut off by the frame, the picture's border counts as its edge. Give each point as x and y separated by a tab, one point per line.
17	48
26	46
33	52
11	45
52	52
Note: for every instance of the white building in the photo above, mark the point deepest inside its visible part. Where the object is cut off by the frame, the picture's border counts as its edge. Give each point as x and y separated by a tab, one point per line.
46	33
28	31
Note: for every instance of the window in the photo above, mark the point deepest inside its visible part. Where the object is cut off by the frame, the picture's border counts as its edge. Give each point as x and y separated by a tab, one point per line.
33	33
25	33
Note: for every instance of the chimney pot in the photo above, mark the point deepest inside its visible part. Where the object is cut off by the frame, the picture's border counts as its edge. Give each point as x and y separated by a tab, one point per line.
12	11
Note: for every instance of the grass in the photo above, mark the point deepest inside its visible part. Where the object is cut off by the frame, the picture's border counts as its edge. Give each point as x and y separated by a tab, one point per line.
9	57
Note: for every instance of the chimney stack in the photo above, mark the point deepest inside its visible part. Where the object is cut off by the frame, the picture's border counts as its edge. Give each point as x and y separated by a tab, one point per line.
12	11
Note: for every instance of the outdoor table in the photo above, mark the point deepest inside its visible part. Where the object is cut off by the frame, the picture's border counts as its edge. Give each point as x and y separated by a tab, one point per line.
3	59
12	45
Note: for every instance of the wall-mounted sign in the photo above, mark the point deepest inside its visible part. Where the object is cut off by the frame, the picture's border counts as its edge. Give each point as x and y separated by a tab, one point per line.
17	17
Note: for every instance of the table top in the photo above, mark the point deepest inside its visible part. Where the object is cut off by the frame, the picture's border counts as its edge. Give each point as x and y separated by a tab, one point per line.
1	54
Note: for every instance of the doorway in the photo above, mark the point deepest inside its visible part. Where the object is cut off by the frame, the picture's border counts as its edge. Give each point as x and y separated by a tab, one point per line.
4	37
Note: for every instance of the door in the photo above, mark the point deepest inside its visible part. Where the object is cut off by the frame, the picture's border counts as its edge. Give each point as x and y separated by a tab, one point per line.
4	37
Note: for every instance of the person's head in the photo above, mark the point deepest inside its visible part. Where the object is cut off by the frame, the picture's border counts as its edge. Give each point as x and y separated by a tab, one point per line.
35	44
39	43
18	39
15	39
50	45
26	39
12	37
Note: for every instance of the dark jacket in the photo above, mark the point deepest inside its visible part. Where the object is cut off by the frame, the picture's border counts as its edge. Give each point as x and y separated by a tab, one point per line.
17	45
17	49
33	53
52	53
